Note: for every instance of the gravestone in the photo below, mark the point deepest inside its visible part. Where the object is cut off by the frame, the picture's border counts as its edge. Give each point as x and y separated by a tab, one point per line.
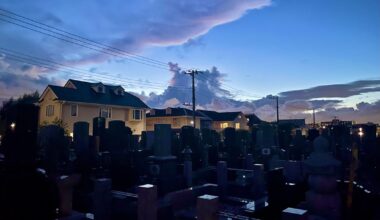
207	207
190	137
81	143
265	136
81	137
117	137
231	147
147	202
259	188
162	140
221	174
187	166
54	146
299	145
66	186
323	169
163	161
276	189
102	199
249	162
98	133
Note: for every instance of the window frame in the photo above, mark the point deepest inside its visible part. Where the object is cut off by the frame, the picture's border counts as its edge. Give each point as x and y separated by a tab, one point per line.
224	125
105	109
49	111
76	110
140	114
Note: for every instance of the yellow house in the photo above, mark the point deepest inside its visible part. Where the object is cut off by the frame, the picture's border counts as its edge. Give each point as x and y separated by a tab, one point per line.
82	101
222	120
176	117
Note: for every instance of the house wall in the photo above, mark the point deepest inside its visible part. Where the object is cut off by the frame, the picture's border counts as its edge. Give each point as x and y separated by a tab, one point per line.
86	112
242	121
180	121
49	100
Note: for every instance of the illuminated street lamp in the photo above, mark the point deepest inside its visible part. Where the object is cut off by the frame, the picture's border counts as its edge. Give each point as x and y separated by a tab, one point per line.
13	126
361	133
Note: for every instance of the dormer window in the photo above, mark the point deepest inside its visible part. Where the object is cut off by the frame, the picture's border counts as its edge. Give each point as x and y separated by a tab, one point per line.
99	88
119	91
168	111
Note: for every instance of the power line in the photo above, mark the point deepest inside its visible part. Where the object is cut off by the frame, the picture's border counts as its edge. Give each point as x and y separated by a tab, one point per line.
12	52
93	45
86	39
58	67
101	50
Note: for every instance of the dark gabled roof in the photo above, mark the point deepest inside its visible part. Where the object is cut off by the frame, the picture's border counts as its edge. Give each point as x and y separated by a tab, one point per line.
253	119
220	116
84	93
174	112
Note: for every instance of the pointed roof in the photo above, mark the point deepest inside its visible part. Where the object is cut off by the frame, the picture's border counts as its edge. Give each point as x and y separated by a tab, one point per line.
221	116
174	112
84	93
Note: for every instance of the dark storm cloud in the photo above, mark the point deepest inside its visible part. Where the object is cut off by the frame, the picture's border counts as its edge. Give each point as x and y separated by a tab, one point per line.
128	25
334	90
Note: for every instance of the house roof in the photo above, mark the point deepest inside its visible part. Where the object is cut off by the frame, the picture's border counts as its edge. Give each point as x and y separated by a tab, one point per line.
221	116
83	92
174	112
253	119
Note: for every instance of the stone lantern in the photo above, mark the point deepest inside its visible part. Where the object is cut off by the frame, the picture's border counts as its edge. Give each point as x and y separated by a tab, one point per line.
322	168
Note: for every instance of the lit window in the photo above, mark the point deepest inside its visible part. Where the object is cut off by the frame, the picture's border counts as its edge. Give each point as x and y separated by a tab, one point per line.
224	125
50	110
74	110
237	125
105	112
137	114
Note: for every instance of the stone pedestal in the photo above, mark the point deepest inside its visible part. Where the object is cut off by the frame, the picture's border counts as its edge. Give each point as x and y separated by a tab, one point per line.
65	187
207	207
221	170
322	199
294	214
147	202
188	172
102	199
249	162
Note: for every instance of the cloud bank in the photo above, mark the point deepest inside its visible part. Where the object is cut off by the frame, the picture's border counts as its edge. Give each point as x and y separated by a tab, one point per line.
326	99
128	25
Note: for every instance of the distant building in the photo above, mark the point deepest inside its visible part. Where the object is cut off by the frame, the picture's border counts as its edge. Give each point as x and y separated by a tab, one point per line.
336	122
222	120
176	117
253	120
82	101
294	122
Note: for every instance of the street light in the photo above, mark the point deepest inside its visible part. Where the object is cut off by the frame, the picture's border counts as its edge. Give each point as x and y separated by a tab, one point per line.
13	126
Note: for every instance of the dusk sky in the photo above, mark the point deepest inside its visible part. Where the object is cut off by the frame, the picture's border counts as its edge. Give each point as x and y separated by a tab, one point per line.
322	54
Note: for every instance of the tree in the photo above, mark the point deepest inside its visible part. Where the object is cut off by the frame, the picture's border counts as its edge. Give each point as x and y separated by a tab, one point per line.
6	109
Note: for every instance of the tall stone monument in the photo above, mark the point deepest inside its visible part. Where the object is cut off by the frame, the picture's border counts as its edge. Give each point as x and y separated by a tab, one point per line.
323	199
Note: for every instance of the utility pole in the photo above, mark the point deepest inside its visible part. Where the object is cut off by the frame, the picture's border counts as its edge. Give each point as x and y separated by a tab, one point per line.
192	73
313	118
278	117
